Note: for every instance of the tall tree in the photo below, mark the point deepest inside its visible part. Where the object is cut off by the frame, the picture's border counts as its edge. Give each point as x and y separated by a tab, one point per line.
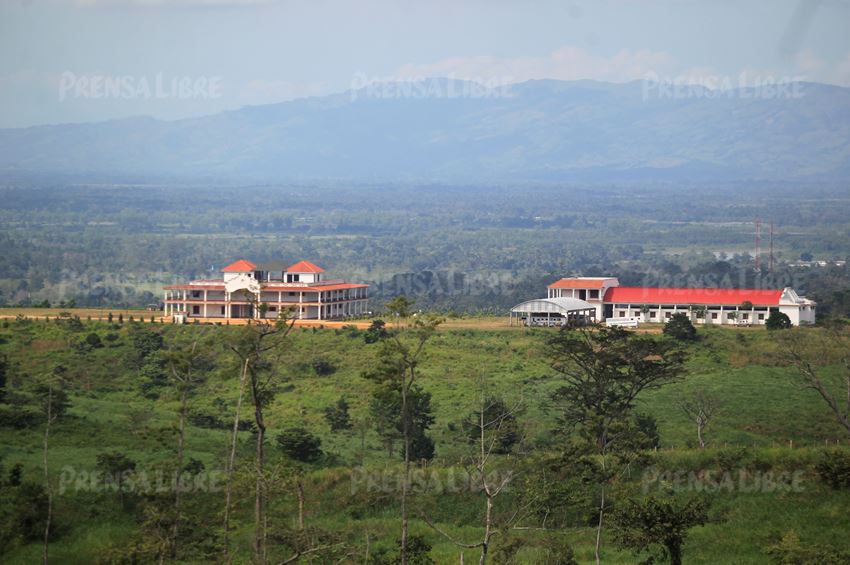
54	403
398	364
253	344
603	372
188	367
385	409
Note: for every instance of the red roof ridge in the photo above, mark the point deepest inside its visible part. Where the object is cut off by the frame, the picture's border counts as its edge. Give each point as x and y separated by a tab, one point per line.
580	282
304	267
240	266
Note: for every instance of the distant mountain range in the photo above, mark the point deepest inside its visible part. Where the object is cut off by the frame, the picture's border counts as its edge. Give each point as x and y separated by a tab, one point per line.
537	130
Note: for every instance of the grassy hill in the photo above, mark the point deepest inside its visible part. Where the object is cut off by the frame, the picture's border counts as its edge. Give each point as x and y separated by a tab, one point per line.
113	409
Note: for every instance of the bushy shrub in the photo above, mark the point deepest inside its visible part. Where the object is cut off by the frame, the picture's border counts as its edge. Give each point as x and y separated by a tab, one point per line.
213	422
731	459
376	332
788	549
680	328
323	367
777	321
93	341
834	469
337	416
300	445
22	514
18	417
348	330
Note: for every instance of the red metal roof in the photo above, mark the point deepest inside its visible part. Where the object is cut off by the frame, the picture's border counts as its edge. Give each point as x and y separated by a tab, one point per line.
304	267
704	296
579	282
240	266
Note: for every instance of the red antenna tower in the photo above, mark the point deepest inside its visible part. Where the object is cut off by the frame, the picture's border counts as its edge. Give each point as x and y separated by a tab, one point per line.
771	261
758	246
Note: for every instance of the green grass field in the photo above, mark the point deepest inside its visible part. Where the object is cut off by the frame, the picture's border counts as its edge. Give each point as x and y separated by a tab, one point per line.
764	409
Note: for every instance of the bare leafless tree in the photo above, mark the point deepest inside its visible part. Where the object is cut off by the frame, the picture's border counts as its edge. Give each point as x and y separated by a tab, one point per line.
701	409
50	417
54	403
489	426
809	351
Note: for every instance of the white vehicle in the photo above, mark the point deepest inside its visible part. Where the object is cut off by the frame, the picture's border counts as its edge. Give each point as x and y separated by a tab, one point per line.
627	322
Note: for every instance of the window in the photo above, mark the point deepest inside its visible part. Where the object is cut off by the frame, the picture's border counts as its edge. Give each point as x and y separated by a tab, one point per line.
652	314
196	294
745	316
272	308
668	315
594	294
222	310
761	316
622	313
714	315
196	310
730	316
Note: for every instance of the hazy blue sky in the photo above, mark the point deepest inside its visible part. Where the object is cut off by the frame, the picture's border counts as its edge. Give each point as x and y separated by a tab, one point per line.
81	60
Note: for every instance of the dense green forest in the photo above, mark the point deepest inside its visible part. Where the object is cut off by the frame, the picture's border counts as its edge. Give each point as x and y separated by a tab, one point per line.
103	424
462	248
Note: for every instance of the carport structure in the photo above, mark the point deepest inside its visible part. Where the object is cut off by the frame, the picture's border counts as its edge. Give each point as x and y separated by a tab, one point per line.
553	312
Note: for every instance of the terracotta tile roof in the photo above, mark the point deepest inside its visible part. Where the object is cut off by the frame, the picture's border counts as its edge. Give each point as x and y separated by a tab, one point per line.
703	296
197	285
304	267
313	288
580	282
271	287
240	266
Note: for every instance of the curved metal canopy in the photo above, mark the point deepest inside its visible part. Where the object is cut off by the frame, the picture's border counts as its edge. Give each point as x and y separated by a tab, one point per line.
552	306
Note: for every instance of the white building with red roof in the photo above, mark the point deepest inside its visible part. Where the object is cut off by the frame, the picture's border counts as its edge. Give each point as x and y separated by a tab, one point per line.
250	290
610	301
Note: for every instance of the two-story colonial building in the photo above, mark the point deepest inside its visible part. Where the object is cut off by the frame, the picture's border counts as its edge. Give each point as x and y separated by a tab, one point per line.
248	290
